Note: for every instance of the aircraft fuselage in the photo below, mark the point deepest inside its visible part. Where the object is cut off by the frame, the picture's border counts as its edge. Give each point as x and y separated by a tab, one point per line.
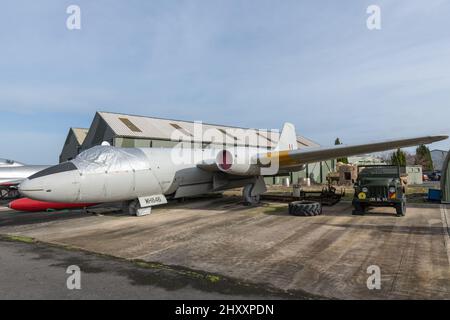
134	173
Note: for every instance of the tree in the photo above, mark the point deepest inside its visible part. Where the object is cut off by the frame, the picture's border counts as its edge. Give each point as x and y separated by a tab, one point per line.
423	158
410	159
398	158
343	160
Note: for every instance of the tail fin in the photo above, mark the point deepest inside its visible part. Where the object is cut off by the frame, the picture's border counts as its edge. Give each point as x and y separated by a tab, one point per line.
288	138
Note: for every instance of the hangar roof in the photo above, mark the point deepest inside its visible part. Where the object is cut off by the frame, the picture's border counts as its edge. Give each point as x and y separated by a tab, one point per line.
134	126
80	134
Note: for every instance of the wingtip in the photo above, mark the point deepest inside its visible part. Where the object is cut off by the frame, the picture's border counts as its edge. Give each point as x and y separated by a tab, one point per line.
440	137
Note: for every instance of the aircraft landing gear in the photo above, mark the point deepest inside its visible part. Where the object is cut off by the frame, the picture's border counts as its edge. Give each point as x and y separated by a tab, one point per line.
3	193
252	192
247	195
134	208
9	194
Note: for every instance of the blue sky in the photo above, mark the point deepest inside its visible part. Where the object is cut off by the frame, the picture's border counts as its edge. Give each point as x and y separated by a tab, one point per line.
247	63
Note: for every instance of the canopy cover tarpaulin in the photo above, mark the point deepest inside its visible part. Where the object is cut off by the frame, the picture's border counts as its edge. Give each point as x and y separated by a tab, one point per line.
101	159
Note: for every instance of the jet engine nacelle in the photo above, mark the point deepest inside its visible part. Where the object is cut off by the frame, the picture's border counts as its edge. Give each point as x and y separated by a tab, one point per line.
236	164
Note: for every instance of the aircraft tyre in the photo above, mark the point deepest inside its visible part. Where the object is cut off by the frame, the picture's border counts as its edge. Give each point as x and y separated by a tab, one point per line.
250	200
132	207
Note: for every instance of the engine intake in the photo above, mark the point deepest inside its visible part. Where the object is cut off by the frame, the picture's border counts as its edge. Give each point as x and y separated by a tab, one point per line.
224	160
228	162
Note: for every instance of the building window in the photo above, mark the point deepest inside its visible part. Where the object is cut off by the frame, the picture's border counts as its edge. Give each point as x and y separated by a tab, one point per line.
142	143
267	138
182	130
303	144
268	144
227	134
130	125
128	143
206	145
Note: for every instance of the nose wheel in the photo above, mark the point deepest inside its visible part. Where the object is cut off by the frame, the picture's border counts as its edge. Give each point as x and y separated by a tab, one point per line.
134	208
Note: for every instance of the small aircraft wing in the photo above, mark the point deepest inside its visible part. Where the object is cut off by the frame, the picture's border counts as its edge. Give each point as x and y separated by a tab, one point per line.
10	183
297	157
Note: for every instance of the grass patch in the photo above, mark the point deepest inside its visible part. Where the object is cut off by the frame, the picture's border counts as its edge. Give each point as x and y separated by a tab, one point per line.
20	239
212	278
277	209
189	273
149	265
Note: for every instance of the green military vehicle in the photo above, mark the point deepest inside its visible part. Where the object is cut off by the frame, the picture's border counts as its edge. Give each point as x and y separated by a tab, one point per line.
379	186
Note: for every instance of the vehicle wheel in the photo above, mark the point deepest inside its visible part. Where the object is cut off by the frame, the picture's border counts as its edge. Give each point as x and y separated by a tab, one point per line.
305	208
360	209
401	209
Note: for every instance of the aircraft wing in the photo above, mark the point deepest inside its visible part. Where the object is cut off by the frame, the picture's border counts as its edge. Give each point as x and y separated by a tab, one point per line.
303	156
10	183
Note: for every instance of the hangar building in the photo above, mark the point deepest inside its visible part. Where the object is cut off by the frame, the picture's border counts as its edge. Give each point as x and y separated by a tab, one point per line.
438	157
445	180
127	131
72	146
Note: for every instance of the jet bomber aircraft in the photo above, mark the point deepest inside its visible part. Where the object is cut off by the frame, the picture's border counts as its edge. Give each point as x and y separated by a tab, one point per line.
145	177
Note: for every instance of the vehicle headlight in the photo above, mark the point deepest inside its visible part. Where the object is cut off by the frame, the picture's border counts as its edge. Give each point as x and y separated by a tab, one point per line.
365	189
392	189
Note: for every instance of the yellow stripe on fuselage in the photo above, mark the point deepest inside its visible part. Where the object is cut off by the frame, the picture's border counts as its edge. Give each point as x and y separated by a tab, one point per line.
283	158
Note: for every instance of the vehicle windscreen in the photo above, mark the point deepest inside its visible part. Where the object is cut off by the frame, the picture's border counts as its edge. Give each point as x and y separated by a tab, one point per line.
379	172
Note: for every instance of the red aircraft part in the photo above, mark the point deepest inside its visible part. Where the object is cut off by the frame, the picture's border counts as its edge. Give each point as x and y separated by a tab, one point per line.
30	205
7	184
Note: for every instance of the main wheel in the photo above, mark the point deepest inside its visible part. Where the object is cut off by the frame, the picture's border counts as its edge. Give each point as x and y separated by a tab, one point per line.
305	208
248	198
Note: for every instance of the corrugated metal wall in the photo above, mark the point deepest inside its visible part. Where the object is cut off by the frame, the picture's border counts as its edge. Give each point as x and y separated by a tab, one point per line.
445	180
317	172
70	149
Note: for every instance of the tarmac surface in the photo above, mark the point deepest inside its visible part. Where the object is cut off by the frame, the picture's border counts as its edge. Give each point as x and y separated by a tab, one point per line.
228	247
39	271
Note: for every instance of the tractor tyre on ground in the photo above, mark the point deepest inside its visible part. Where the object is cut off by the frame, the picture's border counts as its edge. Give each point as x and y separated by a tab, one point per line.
305	208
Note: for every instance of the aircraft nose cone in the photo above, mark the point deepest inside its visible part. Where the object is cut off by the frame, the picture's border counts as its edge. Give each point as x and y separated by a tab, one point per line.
30	188
59	183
